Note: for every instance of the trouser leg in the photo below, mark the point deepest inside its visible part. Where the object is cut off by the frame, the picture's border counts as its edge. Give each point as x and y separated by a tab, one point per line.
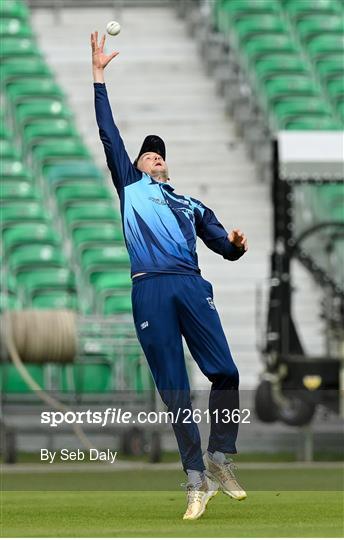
158	330
203	332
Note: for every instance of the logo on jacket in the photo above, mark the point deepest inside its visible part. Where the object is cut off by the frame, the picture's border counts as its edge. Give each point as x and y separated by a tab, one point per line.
211	302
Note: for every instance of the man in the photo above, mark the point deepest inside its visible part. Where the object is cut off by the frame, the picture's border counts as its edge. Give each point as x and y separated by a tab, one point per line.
170	298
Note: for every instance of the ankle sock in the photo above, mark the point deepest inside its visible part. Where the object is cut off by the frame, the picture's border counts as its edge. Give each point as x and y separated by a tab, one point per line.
196	478
218	457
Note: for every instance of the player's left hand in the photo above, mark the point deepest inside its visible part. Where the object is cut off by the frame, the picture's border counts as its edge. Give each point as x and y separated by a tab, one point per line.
237	237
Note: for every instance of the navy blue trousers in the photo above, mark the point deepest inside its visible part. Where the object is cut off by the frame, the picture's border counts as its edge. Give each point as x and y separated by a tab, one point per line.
165	308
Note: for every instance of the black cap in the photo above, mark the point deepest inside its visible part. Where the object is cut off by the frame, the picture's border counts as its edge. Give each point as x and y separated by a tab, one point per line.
152	143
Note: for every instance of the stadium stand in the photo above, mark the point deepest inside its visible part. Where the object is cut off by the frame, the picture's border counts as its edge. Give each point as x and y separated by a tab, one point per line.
281	67
62	241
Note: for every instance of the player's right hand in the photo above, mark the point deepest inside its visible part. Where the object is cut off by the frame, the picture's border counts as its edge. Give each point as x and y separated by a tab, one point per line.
99	59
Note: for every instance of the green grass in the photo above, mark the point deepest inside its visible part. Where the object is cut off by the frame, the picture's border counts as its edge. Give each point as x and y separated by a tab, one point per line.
158	514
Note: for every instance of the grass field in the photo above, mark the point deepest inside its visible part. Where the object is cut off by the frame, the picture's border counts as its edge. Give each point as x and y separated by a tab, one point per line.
158	513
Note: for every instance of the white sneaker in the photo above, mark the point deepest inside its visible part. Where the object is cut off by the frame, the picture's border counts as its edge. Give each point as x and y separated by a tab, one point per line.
223	474
197	499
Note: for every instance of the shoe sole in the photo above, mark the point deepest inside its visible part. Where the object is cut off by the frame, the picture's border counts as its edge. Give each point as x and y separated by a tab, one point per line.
212	477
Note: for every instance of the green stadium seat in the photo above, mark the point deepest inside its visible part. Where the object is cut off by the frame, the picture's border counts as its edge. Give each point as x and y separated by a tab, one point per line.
11	170
309	123
55	300
288	86
8	150
100	259
68	194
252	25
330	66
117	304
324	44
316	24
54	150
17	68
32	256
14	27
274	64
40	131
111	284
14	8
19	91
291	108
96	234
45	108
61	173
12	191
47	279
300	8
91	212
89	378
30	232
12	47
267	44
13	383
22	211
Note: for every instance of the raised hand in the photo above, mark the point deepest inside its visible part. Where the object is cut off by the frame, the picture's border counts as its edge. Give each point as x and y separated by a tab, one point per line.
99	59
238	239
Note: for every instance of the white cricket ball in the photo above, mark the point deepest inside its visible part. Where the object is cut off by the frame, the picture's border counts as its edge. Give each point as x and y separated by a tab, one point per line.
113	28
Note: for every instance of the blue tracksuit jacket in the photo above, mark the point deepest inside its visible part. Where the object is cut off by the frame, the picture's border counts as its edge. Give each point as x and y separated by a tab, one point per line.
160	227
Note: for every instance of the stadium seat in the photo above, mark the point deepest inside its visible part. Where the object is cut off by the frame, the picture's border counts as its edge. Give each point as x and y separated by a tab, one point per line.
12	191
86	235
298	9
330	66
55	300
8	150
252	25
30	232
11	170
291	108
316	24
100	259
13	69
90	378
117	304
324	44
14	27
32	256
260	46
53	151
281	86
91	212
309	123
71	171
12	47
41	130
13	383
14	9
20	90
47	279
66	195
22	211
45	108
108	284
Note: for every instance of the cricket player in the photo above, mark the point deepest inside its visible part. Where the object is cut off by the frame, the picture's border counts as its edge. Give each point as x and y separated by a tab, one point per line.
171	299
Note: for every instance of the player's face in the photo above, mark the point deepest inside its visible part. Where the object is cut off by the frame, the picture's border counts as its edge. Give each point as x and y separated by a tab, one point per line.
153	164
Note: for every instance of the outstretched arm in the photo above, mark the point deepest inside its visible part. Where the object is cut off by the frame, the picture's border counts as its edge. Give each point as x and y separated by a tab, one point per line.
122	170
231	246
